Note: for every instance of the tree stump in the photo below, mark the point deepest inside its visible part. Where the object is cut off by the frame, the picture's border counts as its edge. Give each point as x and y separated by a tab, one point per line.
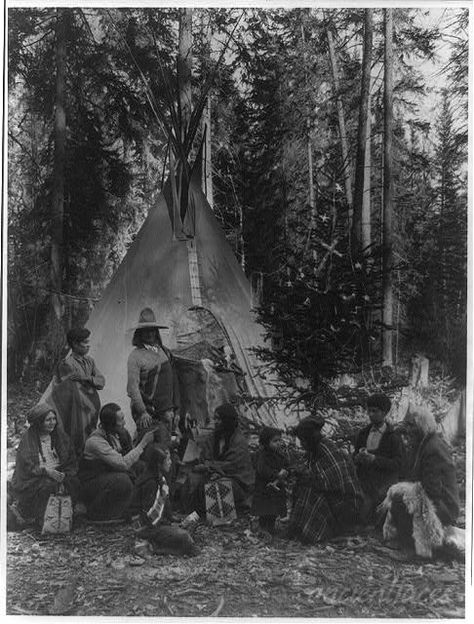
419	371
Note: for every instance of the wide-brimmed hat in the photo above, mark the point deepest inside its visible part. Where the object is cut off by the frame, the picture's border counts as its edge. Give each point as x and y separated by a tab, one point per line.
147	320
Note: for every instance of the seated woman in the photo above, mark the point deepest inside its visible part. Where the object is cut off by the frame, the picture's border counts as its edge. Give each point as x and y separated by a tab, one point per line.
225	453
109	468
419	511
45	460
327	497
377	455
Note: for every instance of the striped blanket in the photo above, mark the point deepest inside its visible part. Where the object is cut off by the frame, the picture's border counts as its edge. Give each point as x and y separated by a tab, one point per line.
329	499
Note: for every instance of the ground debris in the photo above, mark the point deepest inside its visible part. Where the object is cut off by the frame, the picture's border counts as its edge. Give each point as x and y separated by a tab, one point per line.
244	579
64	600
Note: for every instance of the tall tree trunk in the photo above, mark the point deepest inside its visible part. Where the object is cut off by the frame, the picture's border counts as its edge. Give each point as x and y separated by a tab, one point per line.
366	216
387	319
342	127
309	147
57	199
356	237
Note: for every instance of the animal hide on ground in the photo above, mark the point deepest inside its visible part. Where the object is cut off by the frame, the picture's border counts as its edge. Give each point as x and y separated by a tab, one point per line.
428	532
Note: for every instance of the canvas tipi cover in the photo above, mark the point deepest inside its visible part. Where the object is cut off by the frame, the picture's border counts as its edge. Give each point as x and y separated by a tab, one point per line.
156	273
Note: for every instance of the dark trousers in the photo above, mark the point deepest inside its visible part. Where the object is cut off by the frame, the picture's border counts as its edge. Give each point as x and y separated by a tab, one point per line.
267	523
144	492
108	495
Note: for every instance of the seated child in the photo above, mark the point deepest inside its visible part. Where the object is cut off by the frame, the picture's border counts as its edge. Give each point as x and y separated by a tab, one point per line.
156	526
271	467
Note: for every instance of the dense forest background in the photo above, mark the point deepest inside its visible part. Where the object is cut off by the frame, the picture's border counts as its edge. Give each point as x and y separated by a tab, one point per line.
338	142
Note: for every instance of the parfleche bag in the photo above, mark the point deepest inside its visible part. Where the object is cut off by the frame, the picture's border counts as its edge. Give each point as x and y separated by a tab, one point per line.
220	506
58	514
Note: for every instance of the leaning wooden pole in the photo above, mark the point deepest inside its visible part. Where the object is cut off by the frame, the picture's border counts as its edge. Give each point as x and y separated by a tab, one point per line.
185	69
207	124
387	319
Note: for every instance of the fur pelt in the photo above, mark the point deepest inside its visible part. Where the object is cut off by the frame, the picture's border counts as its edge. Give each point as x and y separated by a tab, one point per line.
455	540
428	531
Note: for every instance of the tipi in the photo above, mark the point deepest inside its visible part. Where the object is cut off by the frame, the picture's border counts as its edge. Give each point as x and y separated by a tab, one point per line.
175	278
182	267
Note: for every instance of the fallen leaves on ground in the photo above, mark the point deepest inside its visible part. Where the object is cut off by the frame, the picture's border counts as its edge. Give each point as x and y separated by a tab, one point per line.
94	571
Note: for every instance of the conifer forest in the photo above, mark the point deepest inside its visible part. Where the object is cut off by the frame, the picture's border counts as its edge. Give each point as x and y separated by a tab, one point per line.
337	143
333	144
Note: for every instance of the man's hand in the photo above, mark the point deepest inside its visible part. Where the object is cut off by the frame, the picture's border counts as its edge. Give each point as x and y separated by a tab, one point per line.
79	377
55	475
147	438
364	457
145	420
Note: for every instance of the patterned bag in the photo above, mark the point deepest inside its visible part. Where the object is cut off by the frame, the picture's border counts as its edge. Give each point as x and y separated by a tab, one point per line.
58	514
220	506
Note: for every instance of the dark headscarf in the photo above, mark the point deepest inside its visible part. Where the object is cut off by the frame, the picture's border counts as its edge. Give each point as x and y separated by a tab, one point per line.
38	413
36	418
309	429
229	416
315	422
267	434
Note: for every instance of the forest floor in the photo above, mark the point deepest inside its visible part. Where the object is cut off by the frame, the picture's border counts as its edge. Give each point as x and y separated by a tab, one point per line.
93	572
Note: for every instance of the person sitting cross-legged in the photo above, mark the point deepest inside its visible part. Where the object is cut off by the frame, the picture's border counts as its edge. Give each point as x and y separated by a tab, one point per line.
224	453
327	497
377	455
109	468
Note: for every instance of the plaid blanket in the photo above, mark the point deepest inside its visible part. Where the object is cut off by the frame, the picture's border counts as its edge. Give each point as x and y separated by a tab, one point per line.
328	499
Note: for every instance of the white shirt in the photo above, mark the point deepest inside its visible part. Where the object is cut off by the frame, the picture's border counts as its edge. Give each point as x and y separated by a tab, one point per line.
375	435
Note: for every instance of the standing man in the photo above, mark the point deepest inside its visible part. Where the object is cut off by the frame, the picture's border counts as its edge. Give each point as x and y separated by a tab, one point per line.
75	393
151	382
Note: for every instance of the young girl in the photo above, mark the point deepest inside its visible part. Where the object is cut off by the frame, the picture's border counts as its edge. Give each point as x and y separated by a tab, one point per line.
271	467
157	526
